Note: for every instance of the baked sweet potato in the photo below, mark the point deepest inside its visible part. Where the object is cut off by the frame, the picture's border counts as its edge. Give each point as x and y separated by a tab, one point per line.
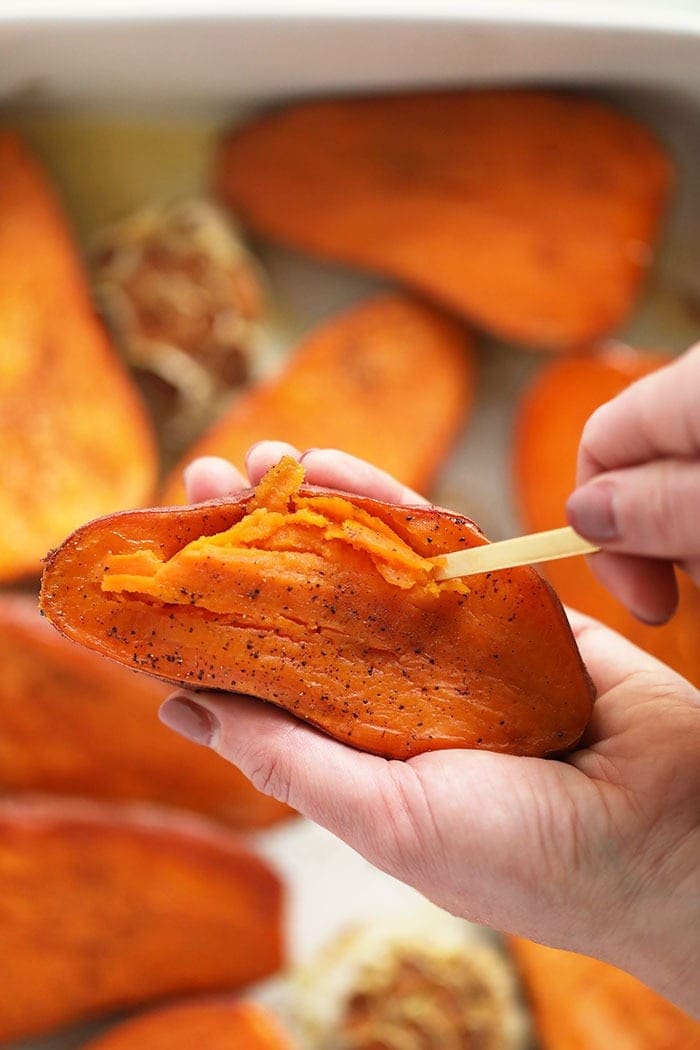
326	604
582	1004
105	906
197	1026
549	424
74	438
390	381
532	214
76	723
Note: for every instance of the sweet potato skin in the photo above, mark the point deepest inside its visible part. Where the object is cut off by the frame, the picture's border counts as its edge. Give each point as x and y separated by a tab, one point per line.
107	906
532	214
61	462
75	723
345	650
357	383
582	1004
548	428
197	1026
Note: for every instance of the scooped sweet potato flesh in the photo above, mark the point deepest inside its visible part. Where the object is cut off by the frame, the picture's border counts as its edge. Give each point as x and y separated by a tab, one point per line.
74	437
326	604
532	214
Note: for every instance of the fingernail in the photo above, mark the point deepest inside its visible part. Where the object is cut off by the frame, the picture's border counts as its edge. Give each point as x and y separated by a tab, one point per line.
591	511
191	720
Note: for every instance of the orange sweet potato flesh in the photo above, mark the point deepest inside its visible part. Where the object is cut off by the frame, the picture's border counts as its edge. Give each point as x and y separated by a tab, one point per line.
390	381
76	723
582	1004
74	438
532	214
550	421
106	906
325	604
197	1026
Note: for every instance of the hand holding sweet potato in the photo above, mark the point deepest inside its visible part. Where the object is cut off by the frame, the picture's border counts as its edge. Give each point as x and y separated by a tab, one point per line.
546	849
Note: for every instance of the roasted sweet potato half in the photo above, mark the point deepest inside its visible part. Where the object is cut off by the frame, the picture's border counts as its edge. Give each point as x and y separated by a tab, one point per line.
390	381
582	1004
105	906
549	423
198	1026
326	604
74	437
532	214
73	722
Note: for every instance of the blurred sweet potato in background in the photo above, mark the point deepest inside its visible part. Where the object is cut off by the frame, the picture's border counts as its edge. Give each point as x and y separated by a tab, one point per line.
579	1003
389	380
197	1026
76	723
105	906
549	424
326	605
75	441
533	214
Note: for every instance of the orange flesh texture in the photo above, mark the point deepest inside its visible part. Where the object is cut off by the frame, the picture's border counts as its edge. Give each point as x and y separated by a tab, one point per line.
197	1026
390	381
107	906
532	214
74	437
582	1004
76	723
326	607
549	426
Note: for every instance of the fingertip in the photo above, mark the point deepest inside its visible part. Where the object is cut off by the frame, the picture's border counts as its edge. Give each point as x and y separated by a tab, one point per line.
186	716
265	454
210	477
646	586
333	468
591	511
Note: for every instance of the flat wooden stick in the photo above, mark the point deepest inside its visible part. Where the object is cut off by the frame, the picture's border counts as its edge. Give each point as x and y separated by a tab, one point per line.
523	550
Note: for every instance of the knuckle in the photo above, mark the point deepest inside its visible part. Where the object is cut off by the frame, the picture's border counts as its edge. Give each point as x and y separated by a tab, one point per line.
660	507
411	841
593	438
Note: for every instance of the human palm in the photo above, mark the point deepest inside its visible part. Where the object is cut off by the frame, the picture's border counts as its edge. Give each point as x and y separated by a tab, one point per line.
592	852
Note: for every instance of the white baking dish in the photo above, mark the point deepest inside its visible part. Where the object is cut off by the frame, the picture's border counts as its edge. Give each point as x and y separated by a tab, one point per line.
184	54
176	68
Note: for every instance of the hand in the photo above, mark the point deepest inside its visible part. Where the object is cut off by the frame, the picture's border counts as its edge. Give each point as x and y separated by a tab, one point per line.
639	488
597	853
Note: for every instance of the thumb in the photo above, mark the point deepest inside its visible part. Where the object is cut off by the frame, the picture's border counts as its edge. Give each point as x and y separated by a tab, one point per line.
651	510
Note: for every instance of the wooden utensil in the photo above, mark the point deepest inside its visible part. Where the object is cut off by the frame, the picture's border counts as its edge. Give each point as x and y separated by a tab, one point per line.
523	550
